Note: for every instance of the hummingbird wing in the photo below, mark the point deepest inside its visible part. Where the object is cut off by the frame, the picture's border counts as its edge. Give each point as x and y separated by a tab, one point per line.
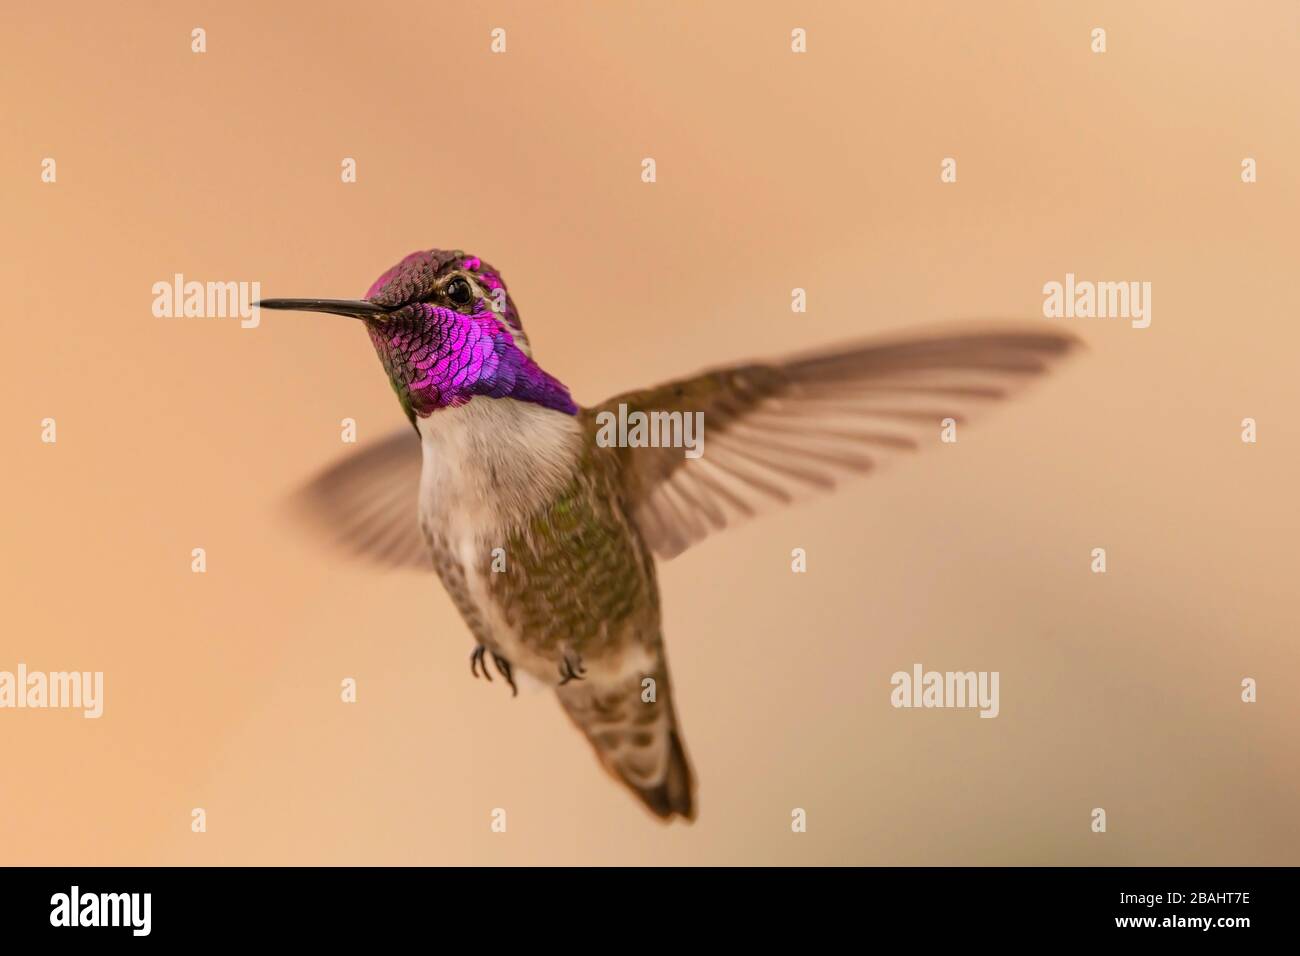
633	728
367	503
774	430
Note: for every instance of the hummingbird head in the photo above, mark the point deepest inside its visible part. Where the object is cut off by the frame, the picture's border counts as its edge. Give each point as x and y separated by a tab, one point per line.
446	331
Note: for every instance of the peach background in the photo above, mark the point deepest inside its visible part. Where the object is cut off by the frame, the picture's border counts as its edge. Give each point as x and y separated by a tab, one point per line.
775	171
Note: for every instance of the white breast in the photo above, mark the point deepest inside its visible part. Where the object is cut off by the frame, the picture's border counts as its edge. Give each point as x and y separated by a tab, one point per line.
489	465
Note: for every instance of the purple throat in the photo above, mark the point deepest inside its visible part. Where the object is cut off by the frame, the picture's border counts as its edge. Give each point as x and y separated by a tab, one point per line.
441	358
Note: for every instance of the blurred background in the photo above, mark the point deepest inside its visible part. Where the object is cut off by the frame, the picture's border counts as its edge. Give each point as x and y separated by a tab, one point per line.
775	170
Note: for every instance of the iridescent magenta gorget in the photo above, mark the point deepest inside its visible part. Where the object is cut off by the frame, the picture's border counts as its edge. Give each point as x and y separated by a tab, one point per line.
440	355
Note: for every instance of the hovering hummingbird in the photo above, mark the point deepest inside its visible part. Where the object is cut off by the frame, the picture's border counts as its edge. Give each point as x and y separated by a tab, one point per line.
545	536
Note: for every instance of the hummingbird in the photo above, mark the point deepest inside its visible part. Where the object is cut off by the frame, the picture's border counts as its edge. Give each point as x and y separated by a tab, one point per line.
545	533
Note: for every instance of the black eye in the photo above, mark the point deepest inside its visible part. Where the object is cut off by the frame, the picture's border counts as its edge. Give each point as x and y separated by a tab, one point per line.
458	291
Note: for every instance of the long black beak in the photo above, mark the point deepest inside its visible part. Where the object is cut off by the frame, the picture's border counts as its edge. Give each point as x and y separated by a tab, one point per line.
356	308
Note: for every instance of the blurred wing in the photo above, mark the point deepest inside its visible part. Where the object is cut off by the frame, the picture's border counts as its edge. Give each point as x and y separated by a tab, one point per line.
367	504
773	431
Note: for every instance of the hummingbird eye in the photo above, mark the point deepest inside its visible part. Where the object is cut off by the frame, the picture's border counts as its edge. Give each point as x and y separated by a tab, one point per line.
458	292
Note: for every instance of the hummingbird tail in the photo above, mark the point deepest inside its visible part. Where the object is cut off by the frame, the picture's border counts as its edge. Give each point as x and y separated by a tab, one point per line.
635	735
675	795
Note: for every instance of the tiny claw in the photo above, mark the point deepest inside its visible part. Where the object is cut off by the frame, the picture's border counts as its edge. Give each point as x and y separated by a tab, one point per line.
571	670
503	666
476	659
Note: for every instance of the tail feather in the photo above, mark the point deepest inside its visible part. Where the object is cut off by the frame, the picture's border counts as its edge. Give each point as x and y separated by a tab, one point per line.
636	740
676	794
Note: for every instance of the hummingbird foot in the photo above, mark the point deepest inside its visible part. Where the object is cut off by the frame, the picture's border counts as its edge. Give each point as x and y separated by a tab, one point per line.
503	667
476	659
571	670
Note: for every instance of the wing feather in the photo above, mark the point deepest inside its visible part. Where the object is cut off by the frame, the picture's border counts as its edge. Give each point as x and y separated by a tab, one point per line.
774	430
366	505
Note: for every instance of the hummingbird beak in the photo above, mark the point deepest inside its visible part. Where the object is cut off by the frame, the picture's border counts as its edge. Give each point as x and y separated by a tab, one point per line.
354	308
